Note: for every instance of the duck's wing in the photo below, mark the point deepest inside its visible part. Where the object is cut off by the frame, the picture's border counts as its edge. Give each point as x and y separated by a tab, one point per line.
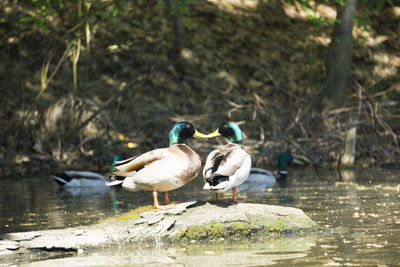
131	165
224	162
210	162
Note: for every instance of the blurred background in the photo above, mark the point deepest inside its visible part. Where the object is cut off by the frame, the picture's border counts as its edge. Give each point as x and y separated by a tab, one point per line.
82	81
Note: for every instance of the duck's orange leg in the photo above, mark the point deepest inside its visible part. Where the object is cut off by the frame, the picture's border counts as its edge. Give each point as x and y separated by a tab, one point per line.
216	196
234	196
156	205
167	202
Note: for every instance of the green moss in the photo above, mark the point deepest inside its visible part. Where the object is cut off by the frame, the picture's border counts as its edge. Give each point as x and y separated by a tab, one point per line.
215	230
195	232
240	228
132	215
139	210
129	217
276	228
210	230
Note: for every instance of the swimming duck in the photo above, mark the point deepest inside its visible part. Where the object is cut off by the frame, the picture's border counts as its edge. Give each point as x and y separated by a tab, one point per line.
229	166
260	179
162	169
82	178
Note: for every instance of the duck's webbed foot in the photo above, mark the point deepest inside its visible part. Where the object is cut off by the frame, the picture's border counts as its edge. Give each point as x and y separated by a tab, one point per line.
234	197
168	202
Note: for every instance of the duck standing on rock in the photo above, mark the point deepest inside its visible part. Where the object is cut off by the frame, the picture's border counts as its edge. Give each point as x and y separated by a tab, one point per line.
162	169
229	166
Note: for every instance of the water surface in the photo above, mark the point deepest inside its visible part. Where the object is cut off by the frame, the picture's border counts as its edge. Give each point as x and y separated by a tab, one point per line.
358	210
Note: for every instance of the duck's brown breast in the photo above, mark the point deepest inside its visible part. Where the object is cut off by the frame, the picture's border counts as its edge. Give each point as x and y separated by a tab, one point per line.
193	162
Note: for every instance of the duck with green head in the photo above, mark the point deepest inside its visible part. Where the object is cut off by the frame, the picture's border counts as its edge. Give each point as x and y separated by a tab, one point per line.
229	166
260	178
162	169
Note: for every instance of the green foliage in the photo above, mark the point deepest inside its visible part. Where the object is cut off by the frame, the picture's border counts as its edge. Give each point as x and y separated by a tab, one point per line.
181	6
360	41
378	4
118	6
362	19
320	22
41	9
113	47
177	6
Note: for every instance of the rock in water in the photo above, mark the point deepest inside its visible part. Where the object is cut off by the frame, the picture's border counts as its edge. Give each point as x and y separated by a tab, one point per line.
188	220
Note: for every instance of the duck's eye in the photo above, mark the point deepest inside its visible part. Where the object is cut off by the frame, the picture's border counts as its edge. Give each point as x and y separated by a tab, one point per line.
225	126
188	126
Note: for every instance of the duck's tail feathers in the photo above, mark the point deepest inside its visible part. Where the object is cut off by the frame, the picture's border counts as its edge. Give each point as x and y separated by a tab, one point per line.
207	186
115	180
61	178
115	183
219	187
217	183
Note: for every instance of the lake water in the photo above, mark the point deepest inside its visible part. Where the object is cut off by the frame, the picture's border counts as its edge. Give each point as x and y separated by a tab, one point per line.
360	212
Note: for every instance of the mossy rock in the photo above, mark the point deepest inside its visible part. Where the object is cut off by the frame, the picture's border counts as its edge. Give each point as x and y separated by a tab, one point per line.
215	230
212	230
185	221
133	214
241	228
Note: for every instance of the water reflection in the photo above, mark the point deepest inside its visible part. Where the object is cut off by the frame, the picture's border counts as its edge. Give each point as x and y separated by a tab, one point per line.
35	204
359	210
74	192
241	252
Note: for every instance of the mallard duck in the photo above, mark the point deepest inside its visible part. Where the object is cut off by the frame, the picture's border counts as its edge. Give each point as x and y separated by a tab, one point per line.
162	169
82	178
229	166
260	179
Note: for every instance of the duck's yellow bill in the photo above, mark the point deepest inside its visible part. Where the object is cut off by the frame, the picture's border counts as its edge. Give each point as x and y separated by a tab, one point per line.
213	134
199	135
